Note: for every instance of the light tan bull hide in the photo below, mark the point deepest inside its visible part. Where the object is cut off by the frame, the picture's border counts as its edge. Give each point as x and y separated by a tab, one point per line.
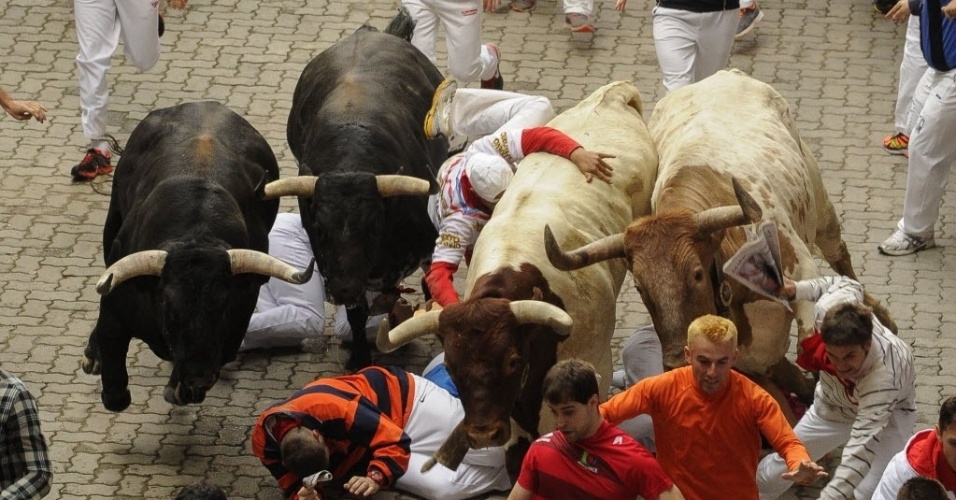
499	371
731	126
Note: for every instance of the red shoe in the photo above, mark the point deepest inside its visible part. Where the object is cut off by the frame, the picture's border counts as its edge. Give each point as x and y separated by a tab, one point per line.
578	23
93	164
496	82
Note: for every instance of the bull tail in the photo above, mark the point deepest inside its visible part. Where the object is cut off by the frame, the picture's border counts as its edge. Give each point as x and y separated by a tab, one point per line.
402	25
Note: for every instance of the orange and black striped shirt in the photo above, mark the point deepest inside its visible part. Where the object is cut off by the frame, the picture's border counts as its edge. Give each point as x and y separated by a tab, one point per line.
361	417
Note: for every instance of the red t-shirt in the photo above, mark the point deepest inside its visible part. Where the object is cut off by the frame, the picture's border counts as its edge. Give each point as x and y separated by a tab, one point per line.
550	473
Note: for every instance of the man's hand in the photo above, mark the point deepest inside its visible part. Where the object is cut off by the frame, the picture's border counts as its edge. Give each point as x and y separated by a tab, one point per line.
619	5
949	10
177	4
491	5
788	290
591	164
306	493
24	110
805	474
362	486
900	11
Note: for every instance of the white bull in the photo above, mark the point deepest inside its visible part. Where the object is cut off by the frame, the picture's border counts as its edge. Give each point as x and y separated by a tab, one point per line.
728	126
508	332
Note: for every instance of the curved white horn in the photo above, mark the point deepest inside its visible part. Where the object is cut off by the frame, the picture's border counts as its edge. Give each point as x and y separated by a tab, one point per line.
609	247
542	313
410	329
303	185
147	262
251	261
715	219
397	185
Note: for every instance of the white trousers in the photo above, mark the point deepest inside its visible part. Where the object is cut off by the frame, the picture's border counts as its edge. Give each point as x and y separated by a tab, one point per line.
99	26
578	7
820	436
468	59
642	357
692	45
434	415
286	314
911	70
932	150
476	113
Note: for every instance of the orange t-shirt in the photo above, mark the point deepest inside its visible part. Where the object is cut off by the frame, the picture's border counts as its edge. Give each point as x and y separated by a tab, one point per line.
709	445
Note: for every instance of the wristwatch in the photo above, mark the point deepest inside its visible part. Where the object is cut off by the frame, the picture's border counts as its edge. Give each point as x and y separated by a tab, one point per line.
376	476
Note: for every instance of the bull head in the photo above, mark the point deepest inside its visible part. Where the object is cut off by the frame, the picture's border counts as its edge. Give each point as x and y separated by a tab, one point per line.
488	344
670	256
347	221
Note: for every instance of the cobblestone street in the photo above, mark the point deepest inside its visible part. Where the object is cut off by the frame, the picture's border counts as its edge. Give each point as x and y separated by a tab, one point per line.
836	62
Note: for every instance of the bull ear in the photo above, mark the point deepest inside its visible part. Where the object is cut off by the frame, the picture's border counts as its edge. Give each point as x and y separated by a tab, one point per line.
148	262
719	218
303	185
609	247
251	261
542	313
401	185
410	329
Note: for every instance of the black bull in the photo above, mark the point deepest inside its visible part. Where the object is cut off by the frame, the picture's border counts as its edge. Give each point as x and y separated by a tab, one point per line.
356	129
186	242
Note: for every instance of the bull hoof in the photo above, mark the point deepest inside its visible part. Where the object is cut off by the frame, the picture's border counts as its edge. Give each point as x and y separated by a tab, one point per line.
116	403
171	396
90	366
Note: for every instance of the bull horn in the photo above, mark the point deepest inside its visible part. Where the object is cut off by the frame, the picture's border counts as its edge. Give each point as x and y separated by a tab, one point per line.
716	219
398	185
147	262
251	261
542	313
410	329
452	452
303	185
609	247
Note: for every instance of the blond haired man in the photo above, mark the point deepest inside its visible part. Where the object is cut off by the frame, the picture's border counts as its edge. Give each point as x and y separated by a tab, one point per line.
708	419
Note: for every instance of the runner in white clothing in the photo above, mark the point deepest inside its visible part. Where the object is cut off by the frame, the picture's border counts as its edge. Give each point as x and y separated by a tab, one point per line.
99	26
930	453
472	182
865	399
287	314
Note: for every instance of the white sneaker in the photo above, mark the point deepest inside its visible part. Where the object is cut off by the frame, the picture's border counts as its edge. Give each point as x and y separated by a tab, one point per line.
900	243
436	121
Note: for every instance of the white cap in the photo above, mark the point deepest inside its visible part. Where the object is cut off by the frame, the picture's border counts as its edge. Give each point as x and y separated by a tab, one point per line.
489	175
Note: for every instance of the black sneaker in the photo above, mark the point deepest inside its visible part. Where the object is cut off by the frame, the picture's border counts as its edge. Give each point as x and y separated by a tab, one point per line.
93	164
162	26
883	6
748	21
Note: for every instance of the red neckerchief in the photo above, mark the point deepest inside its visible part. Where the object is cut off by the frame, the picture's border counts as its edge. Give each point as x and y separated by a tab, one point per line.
926	457
814	358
